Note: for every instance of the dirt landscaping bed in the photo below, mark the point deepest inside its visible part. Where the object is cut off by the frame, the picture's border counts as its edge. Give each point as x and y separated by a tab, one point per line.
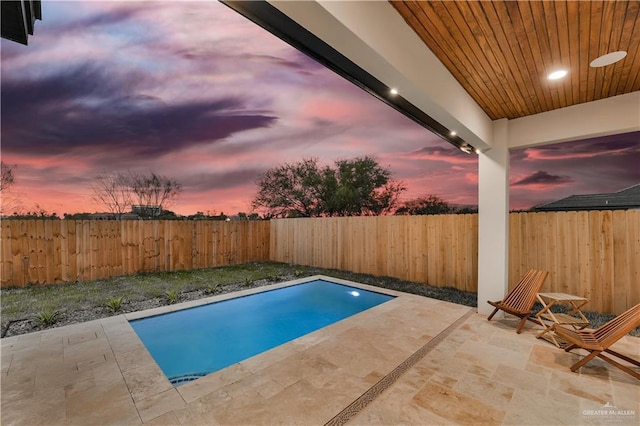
28	309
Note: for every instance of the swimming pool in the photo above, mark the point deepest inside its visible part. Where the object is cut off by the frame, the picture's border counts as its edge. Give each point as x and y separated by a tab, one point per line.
193	342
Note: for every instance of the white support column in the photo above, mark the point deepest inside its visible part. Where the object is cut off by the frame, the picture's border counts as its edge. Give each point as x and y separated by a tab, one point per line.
493	219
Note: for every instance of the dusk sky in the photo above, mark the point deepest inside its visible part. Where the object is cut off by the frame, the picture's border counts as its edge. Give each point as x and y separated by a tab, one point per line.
198	93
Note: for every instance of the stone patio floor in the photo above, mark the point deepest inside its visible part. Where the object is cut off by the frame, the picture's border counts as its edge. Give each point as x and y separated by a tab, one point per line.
412	360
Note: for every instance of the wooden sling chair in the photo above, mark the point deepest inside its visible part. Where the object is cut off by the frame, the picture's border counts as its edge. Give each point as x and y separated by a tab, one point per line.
520	300
598	341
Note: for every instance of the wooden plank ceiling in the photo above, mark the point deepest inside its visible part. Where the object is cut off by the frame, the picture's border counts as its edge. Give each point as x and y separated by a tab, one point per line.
502	51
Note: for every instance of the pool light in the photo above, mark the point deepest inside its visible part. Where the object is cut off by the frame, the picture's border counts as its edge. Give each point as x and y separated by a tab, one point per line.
354	293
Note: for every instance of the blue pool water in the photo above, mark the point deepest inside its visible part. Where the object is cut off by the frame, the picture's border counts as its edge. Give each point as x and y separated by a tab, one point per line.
193	342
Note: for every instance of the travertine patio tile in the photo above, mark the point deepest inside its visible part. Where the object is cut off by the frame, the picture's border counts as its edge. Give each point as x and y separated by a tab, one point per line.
201	411
309	340
529	408
550	357
107	374
41	408
102	406
522	379
626	395
58	377
52	340
160	404
17	369
29	340
79	386
146	381
261	361
92	362
37	356
125	343
290	370
194	416
583	387
481	388
87	350
444	380
134	359
85	336
7	342
311	407
457	406
148	313
259	382
167	419
395	406
488	356
443	363
240	403
212	382
410	414
18	386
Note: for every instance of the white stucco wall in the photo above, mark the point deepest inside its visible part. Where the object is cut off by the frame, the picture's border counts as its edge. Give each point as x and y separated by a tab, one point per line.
493	219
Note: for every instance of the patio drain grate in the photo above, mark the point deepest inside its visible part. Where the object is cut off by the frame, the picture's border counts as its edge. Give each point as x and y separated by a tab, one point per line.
383	384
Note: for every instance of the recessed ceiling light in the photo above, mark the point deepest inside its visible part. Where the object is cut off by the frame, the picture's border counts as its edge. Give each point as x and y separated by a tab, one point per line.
608	59
394	91
557	74
452	133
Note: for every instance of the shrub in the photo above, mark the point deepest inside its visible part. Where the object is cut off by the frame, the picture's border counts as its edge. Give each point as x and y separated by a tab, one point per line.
274	277
211	288
298	273
47	316
172	296
248	281
114	304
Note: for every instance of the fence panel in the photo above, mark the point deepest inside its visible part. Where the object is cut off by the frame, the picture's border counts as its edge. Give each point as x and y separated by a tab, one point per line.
438	250
46	251
595	254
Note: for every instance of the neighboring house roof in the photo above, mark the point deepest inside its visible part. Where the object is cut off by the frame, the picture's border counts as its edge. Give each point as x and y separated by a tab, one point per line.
628	198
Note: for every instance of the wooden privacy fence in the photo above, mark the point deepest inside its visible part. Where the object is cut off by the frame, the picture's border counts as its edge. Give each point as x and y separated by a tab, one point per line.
594	254
52	251
441	250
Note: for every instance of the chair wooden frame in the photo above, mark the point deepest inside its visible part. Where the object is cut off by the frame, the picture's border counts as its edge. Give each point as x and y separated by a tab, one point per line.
520	300
598	341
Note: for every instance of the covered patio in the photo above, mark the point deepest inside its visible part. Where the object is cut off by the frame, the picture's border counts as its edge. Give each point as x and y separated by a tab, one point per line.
476	74
412	360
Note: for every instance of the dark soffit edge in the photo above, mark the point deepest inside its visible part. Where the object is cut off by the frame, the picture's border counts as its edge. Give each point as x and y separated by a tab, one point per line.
285	28
18	19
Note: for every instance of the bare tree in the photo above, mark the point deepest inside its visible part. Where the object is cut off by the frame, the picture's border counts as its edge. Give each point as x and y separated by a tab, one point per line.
7	177
153	192
113	190
9	201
